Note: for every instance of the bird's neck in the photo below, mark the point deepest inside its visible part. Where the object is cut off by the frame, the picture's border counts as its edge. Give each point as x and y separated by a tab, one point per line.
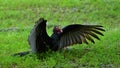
57	31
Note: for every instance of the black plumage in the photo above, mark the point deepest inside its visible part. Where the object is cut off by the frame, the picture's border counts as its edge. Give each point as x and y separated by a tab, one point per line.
69	35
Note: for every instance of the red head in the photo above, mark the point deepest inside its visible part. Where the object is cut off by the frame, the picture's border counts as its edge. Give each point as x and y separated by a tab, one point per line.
57	30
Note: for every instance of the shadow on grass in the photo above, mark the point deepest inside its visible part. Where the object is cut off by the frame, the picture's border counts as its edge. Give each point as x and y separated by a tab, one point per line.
66	53
56	59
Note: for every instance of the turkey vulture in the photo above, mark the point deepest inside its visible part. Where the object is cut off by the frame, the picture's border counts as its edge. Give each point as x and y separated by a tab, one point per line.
69	35
39	40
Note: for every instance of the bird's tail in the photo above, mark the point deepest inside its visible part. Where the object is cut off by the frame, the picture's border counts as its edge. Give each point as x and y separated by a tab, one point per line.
21	53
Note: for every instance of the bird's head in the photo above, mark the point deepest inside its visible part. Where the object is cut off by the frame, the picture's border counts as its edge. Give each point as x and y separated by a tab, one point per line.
57	30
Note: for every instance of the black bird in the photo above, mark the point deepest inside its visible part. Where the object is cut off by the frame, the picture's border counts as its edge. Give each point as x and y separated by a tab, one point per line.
69	35
39	40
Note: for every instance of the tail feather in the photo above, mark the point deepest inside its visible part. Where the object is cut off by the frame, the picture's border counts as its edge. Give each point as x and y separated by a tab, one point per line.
21	53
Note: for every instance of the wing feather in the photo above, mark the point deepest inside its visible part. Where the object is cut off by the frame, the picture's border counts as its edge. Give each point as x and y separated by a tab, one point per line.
77	37
65	42
73	40
84	39
92	34
70	39
89	38
78	34
98	28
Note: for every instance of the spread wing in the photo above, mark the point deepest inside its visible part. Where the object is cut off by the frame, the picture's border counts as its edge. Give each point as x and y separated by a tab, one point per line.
38	38
77	34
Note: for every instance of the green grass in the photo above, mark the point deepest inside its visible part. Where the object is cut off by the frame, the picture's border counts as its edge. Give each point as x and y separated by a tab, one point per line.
17	18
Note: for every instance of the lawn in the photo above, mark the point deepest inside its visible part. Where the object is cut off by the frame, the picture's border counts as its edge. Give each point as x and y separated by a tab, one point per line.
17	17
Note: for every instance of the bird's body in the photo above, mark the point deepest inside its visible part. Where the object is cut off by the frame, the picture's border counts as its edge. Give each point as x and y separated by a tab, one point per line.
72	34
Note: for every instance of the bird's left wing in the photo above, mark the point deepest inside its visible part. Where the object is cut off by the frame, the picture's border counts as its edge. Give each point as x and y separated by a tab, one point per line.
77	34
38	38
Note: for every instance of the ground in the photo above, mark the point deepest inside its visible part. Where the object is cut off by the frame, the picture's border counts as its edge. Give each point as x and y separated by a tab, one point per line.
17	17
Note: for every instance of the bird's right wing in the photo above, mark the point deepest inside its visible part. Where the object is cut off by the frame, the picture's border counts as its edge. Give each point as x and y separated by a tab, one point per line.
77	34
